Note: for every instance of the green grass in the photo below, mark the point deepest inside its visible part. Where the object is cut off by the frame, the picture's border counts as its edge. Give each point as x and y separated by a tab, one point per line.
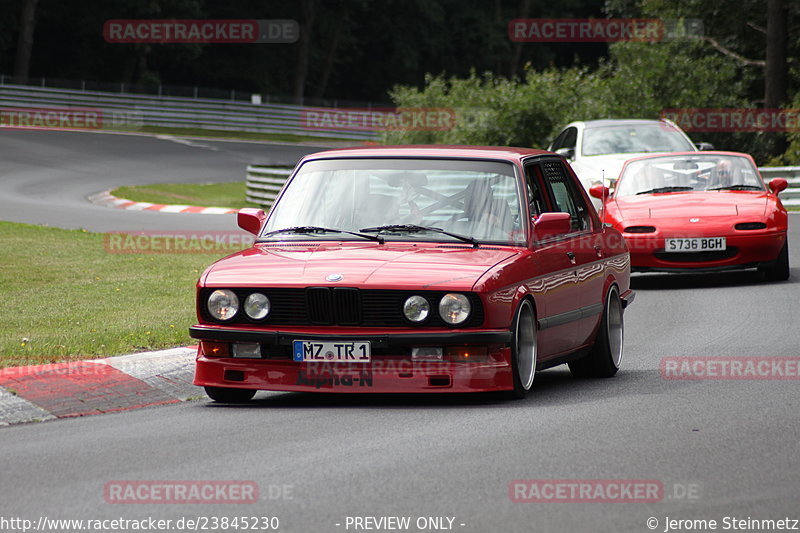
207	195
66	298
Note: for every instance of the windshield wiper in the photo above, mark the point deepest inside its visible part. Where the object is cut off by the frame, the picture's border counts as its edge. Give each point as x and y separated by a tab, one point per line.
318	229
413	228
739	187
666	189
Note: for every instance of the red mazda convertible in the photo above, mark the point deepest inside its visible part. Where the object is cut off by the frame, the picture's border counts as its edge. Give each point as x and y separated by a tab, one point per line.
415	269
699	211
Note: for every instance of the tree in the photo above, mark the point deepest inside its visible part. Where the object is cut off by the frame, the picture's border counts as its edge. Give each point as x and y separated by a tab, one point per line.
27	23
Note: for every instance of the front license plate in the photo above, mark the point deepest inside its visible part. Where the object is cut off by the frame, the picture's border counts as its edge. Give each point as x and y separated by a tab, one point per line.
332	351
704	244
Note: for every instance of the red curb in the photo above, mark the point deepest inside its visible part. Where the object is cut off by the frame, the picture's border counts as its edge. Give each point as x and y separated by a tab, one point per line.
81	388
108	200
193	209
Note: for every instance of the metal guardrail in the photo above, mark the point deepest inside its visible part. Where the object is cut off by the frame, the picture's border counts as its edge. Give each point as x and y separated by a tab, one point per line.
122	111
264	183
791	196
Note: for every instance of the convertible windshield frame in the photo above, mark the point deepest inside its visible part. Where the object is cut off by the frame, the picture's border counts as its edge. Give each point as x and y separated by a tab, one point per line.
438	192
689	172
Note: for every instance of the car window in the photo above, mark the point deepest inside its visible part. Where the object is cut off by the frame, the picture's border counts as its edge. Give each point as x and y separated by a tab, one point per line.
559	142
633	138
570	138
478	199
565	196
534	190
676	173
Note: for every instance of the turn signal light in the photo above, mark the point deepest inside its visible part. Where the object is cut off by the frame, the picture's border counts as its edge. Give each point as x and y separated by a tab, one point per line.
466	354
215	349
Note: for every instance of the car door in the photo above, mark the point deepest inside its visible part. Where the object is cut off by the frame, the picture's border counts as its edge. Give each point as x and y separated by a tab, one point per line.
556	288
582	250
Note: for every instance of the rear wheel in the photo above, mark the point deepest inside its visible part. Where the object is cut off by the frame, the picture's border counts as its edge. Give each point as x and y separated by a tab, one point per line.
226	395
780	270
605	357
523	350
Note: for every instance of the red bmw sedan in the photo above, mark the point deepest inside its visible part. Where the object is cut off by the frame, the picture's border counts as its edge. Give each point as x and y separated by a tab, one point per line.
415	269
699	211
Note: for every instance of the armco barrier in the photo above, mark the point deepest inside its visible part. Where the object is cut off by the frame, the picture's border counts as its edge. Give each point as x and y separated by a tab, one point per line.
264	183
131	111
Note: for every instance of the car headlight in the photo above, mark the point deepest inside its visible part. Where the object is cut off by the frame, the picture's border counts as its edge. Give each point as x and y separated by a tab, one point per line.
223	304
454	308
257	306
416	308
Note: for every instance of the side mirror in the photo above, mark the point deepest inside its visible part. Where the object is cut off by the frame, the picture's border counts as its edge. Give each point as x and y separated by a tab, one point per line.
704	146
251	219
551	225
599	191
777	185
569	153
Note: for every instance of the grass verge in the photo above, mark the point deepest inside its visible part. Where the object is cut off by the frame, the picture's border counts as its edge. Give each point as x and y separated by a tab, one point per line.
206	195
66	298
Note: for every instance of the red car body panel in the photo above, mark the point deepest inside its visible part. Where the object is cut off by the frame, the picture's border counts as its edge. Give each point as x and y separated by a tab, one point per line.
499	275
697	214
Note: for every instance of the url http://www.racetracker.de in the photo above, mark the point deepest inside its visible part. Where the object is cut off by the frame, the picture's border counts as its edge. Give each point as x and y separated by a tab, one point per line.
45	524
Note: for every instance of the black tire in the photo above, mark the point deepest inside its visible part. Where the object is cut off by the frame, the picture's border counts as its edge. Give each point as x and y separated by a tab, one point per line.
605	357
226	395
780	270
524	350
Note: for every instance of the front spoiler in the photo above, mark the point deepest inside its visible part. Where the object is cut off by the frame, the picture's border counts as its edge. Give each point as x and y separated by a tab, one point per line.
384	376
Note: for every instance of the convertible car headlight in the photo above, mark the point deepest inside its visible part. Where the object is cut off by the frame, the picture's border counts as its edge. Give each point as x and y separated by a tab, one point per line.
416	308
257	306
454	308
223	304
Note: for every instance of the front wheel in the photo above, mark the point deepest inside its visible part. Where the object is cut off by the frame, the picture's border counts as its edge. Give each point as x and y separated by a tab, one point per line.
523	350
780	270
605	357
227	395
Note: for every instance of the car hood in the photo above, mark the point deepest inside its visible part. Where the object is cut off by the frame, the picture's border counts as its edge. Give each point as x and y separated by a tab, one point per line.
692	204
392	265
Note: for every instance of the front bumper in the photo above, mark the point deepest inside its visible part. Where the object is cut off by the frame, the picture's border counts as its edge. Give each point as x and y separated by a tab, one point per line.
392	371
743	251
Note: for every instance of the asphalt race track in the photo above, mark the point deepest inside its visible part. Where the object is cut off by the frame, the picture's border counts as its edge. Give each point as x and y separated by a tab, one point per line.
721	448
45	176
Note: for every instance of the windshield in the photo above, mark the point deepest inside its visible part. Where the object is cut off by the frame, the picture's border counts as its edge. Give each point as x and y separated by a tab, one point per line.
634	138
474	199
688	173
